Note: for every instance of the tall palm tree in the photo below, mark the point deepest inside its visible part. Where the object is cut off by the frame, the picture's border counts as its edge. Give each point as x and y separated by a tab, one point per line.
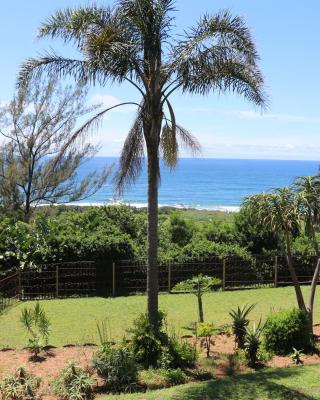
132	42
286	212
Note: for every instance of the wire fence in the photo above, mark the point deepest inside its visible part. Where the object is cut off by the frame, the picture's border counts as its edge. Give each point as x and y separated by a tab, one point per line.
107	278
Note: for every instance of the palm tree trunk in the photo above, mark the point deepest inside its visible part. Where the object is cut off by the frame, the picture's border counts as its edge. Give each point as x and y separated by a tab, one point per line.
152	271
312	293
294	278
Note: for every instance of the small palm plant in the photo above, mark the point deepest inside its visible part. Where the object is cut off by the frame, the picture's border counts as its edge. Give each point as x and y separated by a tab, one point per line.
296	356
240	322
252	343
198	285
37	325
206	331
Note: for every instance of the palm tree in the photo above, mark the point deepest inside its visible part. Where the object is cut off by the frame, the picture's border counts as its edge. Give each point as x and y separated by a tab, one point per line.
132	42
287	212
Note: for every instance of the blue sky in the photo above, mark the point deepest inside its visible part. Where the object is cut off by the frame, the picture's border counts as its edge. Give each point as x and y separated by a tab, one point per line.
287	34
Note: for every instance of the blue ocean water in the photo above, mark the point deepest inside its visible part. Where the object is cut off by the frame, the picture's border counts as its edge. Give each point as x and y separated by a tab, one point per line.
206	183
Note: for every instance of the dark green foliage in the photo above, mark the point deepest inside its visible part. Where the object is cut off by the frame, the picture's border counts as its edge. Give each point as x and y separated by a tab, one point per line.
148	343
154	348
74	383
180	230
252	343
240	322
285	330
253	236
19	386
117	366
182	353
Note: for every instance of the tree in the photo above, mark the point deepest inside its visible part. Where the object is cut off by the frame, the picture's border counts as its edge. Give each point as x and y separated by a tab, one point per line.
198	285
132	42
287	212
38	164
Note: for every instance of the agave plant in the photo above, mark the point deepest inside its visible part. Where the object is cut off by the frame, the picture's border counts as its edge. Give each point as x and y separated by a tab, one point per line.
252	343
240	322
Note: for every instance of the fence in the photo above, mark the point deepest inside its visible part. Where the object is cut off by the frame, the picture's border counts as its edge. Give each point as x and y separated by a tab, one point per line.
234	272
59	280
106	278
9	291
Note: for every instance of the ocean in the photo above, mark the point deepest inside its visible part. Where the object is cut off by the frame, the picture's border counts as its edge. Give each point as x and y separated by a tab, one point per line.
212	184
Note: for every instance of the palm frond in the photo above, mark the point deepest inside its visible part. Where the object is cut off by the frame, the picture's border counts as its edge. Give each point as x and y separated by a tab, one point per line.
219	54
132	156
188	140
169	146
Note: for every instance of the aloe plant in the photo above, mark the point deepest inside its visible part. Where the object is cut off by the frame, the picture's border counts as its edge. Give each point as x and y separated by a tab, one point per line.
240	322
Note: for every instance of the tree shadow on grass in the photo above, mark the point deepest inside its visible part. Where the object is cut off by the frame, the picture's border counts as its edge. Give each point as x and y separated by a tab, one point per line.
255	386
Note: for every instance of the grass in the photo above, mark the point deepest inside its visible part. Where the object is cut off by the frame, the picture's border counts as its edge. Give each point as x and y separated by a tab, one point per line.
296	383
74	320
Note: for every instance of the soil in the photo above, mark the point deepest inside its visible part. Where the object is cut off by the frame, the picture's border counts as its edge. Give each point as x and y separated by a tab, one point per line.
51	361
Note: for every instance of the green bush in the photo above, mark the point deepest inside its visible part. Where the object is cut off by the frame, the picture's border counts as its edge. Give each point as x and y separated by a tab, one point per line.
118	368
19	386
74	383
147	343
162	378
182	353
285	330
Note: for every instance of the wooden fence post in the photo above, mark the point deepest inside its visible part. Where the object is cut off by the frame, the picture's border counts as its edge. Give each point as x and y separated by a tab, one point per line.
57	280
113	279
169	277
276	271
224	274
20	286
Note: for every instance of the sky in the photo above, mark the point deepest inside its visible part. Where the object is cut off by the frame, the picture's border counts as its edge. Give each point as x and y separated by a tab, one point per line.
287	35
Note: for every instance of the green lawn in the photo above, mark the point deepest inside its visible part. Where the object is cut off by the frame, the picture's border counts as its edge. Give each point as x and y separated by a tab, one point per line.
74	320
299	383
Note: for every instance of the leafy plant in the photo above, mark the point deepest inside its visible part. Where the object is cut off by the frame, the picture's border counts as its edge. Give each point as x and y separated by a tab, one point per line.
182	353
296	356
37	325
239	323
198	285
19	386
74	383
252	343
285	330
103	329
206	330
118	367
148	343
162	378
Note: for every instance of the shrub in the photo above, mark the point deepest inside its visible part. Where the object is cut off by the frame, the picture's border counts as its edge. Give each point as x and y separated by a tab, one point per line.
118	368
285	330
37	325
162	378
147	343
182	353
239	323
74	383
252	343
206	330
19	386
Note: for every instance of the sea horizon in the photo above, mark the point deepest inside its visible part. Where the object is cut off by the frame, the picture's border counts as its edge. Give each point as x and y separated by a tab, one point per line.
203	183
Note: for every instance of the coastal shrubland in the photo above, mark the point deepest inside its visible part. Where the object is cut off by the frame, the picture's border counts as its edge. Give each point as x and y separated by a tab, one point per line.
117	232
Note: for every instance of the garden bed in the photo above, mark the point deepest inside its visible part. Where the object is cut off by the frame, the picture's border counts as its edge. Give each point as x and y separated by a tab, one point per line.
54	359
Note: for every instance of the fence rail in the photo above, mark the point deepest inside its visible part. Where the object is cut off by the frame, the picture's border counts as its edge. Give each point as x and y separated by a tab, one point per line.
107	278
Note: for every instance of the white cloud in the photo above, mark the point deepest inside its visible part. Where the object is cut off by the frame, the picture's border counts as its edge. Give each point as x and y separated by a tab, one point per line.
273	116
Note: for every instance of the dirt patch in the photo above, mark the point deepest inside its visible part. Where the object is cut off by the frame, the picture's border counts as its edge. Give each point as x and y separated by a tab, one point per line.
54	359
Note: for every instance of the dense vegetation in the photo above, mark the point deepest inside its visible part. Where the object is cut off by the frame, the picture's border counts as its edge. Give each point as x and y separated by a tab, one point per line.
120	232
